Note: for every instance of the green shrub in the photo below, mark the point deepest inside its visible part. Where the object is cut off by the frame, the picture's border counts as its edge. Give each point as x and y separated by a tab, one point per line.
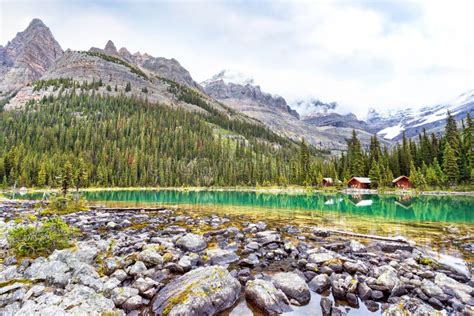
40	238
60	205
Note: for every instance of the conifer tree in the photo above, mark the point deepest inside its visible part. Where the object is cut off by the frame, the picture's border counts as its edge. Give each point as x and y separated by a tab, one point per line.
450	165
374	174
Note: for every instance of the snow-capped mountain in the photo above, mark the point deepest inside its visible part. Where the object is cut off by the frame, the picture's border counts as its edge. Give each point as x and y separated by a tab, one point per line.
432	118
313	107
230	76
317	113
227	85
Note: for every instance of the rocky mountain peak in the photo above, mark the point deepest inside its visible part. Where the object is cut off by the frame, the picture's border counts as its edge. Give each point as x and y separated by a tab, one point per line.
125	54
110	48
27	56
35	23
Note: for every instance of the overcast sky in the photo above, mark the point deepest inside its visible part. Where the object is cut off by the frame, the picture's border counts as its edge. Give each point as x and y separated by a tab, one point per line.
360	53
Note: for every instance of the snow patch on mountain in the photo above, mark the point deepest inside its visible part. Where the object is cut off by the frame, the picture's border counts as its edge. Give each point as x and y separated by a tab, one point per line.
312	107
230	76
391	132
425	117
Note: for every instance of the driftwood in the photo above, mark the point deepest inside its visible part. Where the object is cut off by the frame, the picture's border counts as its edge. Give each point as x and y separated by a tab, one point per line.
375	237
122	209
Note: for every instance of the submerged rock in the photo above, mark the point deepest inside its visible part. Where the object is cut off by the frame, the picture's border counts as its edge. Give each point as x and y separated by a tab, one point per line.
293	286
267	297
203	291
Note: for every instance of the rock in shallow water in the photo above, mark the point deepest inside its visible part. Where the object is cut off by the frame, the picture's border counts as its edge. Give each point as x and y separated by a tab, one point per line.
320	283
203	291
267	297
293	286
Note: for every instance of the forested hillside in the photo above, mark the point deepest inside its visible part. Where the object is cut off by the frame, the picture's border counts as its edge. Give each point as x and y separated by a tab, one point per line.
126	141
117	140
431	161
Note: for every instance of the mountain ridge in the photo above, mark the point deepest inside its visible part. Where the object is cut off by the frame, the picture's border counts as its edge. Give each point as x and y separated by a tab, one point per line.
34	54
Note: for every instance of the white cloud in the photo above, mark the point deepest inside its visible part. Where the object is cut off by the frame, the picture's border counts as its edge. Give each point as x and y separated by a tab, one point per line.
359	53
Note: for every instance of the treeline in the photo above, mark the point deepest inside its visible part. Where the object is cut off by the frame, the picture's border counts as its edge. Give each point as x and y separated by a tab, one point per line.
429	161
101	140
126	141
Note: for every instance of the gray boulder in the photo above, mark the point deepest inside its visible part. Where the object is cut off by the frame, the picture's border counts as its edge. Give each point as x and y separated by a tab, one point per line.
150	256
321	256
53	271
430	289
387	276
293	286
191	242
203	291
121	294
221	256
267	297
267	237
353	267
320	283
410	306
459	290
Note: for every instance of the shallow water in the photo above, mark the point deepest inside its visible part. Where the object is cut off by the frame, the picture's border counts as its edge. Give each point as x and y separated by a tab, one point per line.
437	222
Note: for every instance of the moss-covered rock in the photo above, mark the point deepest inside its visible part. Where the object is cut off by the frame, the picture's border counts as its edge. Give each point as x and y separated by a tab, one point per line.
203	291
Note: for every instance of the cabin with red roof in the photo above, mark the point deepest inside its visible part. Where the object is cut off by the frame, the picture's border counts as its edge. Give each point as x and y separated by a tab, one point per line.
359	183
402	182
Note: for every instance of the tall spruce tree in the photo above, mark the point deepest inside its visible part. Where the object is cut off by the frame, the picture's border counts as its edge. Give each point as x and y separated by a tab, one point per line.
450	165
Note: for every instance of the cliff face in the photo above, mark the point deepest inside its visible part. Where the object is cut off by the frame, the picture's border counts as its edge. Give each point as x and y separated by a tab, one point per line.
28	56
227	85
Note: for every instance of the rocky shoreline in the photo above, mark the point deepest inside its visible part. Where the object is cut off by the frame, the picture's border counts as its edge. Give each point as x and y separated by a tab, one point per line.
166	262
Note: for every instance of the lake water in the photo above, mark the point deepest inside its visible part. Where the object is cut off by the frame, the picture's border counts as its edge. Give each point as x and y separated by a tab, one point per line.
425	219
438	223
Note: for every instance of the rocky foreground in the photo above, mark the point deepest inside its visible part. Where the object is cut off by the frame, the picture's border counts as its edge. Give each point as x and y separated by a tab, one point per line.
165	262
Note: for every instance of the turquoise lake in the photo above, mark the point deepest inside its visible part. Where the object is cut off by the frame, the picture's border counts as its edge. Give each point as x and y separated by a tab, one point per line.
425	219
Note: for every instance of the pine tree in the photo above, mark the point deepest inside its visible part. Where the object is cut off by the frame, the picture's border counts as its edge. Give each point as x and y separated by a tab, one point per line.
374	174
452	134
66	178
450	165
304	163
355	156
128	87
41	181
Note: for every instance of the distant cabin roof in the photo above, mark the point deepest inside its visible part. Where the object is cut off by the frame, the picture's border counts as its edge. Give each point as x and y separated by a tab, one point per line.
399	178
361	179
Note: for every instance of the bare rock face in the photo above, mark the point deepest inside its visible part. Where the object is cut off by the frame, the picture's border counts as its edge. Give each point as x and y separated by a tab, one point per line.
168	68
218	88
110	48
28	56
203	291
125	54
162	67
